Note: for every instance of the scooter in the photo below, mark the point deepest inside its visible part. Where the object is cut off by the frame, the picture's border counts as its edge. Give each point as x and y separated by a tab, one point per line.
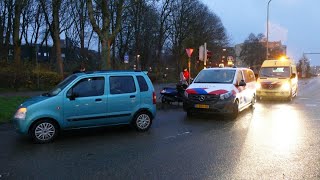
170	94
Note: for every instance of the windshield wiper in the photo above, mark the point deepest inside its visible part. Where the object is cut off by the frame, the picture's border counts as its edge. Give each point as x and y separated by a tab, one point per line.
46	94
206	82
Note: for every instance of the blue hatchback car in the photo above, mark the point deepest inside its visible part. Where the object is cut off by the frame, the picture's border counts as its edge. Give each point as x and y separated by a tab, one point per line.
90	99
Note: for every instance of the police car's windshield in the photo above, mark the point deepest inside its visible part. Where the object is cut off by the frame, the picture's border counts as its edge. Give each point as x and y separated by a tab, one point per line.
60	86
274	72
215	76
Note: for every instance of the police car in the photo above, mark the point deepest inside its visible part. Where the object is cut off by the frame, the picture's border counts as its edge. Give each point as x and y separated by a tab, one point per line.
221	91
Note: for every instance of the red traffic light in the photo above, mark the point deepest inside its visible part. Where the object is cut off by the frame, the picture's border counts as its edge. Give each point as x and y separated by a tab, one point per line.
209	54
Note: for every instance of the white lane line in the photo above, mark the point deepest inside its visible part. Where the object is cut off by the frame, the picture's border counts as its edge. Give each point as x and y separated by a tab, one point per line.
304	98
187	132
170	137
180	134
311	105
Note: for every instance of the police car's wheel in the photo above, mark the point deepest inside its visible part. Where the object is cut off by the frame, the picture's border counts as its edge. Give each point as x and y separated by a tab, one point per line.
253	101
142	121
44	131
189	113
235	110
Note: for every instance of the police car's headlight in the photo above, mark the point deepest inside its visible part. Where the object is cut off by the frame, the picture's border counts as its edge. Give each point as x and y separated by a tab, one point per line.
258	85
21	113
225	95
286	86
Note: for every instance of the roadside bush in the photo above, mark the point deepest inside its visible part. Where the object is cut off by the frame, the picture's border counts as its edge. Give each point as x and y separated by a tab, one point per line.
26	77
47	79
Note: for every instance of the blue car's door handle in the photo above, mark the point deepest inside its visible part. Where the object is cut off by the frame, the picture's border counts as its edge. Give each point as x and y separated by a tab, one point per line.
132	96
98	99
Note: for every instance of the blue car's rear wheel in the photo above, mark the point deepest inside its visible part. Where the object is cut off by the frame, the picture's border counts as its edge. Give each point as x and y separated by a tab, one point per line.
142	121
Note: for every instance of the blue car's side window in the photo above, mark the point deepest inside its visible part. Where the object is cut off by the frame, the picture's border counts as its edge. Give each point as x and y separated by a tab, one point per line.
89	87
142	84
122	84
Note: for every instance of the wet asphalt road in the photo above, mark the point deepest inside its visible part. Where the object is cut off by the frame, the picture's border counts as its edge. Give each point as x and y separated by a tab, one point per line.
276	140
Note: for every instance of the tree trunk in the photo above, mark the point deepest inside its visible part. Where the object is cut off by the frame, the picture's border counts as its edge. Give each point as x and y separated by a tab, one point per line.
104	54
56	35
16	38
9	30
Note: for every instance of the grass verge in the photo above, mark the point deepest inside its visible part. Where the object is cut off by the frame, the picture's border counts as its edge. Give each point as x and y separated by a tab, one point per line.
8	106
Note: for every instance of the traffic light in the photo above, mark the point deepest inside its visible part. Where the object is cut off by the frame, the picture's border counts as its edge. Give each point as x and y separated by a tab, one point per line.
209	54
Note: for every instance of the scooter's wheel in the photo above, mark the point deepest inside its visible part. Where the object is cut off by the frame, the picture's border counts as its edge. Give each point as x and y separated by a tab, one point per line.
163	99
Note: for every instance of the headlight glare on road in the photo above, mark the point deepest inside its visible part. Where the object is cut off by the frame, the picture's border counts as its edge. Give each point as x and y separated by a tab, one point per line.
21	113
286	86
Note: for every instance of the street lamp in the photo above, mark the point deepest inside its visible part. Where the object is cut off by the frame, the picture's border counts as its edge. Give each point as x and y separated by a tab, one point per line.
138	62
267	56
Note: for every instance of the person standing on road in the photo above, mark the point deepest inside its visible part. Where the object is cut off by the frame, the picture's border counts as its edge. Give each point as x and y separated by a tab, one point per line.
184	76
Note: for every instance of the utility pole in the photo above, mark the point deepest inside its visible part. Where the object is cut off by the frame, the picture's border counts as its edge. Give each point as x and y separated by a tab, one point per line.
267	55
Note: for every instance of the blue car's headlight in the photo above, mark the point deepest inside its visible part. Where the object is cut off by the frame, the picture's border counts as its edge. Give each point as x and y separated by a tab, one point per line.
21	113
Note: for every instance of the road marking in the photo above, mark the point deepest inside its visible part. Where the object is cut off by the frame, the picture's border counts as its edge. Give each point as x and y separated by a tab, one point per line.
180	134
187	132
170	137
311	105
304	98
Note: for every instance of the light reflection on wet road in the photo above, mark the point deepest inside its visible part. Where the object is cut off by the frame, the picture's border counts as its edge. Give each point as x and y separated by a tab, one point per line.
276	140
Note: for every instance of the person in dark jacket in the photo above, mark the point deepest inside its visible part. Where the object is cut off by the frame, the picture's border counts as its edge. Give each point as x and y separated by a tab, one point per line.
81	69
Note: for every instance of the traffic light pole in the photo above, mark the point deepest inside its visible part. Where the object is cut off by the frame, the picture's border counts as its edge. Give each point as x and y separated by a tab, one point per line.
189	69
205	56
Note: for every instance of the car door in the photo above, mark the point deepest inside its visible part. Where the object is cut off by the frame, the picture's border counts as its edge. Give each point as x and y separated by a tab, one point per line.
123	98
241	89
85	103
248	93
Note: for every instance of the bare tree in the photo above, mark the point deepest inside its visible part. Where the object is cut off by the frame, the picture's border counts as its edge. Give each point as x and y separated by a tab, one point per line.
125	36
192	24
53	12
6	7
33	22
253	52
81	29
164	25
104	32
18	6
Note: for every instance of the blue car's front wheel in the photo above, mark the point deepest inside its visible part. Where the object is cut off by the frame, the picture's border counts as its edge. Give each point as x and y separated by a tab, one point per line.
44	131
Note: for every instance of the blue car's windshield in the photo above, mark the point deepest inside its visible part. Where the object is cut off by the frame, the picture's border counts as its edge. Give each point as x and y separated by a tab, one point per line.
215	76
56	90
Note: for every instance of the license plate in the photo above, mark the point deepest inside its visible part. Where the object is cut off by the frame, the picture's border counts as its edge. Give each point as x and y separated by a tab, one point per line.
203	106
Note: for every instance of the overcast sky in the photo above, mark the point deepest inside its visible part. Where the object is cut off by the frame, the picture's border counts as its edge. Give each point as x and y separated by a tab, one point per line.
295	22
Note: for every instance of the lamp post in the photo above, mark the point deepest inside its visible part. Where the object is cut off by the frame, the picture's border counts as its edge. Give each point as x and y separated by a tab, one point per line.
267	55
138	62
37	64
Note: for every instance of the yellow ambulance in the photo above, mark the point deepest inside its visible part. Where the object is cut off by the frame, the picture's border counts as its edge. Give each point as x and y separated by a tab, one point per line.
277	79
